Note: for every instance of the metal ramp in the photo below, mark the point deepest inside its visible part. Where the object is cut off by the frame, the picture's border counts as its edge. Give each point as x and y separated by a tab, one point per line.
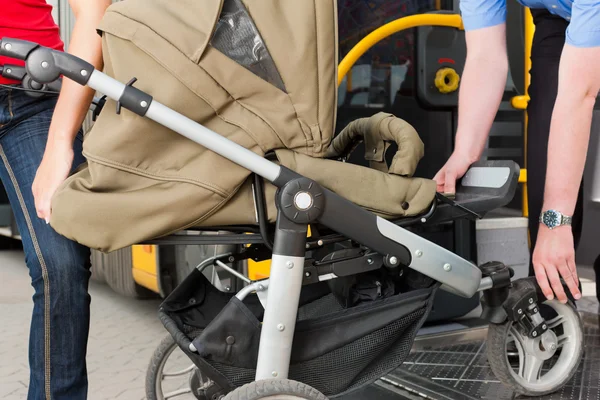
452	365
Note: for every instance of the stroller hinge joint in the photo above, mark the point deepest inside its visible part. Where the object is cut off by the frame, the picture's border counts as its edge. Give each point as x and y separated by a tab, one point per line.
134	99
301	200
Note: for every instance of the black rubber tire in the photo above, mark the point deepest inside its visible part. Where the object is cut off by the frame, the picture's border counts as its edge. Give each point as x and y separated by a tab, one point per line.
161	351
496	353
116	270
164	349
275	389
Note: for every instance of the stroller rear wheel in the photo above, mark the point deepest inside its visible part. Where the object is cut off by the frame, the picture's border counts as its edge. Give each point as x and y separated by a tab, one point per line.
282	389
542	365
171	375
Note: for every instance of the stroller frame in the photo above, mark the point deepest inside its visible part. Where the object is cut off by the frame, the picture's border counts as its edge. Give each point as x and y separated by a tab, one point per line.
300	202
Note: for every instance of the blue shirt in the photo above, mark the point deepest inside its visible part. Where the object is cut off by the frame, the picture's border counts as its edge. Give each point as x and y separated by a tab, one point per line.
583	16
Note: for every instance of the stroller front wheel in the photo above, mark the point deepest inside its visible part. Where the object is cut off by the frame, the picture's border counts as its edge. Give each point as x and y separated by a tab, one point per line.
543	365
281	389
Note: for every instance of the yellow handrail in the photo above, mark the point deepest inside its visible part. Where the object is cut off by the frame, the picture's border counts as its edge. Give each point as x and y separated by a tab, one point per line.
450	20
453	21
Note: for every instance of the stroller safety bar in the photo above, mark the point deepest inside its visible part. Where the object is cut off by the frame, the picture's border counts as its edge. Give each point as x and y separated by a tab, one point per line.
401	247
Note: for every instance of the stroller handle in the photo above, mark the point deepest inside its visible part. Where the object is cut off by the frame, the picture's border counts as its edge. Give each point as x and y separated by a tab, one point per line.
45	65
31	87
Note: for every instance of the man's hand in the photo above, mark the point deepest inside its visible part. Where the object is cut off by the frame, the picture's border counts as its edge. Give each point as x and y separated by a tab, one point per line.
53	170
553	257
578	87
454	169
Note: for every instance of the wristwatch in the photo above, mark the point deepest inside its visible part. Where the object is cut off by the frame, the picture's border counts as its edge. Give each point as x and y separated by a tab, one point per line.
553	219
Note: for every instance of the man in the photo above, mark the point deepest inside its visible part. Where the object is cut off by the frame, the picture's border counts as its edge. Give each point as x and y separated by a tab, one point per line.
39	145
565	80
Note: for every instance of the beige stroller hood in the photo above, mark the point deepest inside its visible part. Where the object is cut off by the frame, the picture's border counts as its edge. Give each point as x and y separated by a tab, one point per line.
261	73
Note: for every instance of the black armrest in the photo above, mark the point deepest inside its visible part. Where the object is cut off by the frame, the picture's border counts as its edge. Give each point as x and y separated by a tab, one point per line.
487	186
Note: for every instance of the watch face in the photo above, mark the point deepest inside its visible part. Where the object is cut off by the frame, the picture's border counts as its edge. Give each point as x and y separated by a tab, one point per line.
551	219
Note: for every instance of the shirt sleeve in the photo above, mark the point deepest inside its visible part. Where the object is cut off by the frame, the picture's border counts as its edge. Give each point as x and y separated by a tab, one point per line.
477	14
584	28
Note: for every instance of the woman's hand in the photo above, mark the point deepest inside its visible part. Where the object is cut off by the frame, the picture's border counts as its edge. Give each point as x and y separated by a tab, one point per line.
53	170
71	108
553	257
454	169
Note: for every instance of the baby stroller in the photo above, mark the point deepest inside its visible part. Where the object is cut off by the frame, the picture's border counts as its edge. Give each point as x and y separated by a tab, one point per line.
342	305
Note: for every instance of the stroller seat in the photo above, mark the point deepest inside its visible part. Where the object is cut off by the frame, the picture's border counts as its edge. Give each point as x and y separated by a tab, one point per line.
390	192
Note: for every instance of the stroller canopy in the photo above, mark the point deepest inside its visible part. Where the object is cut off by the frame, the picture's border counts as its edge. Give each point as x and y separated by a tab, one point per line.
261	73
275	60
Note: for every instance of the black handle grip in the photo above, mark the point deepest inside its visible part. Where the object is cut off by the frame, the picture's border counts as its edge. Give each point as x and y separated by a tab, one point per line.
14	72
45	65
16	48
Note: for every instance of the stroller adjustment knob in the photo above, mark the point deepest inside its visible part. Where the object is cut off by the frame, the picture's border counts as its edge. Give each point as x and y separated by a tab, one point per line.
302	200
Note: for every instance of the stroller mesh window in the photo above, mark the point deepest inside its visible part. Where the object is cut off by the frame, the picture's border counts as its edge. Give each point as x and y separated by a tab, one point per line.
237	37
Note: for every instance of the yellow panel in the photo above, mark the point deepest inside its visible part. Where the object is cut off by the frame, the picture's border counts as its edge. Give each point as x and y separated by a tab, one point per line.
261	270
146	280
145	266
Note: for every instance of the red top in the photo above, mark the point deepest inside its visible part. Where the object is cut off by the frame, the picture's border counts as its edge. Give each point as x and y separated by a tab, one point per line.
28	20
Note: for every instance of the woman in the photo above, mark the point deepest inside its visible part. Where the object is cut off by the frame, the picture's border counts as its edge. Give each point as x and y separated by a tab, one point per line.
40	143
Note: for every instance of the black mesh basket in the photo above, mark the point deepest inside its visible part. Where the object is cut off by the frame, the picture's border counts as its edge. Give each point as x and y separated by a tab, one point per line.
336	349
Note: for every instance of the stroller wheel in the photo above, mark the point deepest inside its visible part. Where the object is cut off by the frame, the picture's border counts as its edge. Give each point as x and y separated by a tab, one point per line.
172	375
281	389
535	367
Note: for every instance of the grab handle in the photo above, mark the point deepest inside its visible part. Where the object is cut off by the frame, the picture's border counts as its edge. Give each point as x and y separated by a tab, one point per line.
45	65
16	48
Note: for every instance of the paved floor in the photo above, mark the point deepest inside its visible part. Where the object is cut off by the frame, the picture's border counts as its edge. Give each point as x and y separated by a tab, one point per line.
124	333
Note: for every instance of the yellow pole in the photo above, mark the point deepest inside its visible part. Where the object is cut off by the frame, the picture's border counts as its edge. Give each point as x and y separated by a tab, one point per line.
528	33
450	20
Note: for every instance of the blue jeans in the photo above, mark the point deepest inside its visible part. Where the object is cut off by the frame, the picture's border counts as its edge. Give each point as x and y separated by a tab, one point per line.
59	268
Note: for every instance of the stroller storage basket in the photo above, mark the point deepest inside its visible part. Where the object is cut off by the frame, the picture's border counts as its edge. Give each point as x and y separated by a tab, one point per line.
335	349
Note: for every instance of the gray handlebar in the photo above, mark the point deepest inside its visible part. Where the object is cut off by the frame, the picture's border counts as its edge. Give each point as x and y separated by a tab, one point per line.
45	65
